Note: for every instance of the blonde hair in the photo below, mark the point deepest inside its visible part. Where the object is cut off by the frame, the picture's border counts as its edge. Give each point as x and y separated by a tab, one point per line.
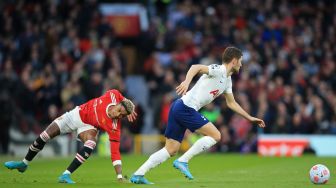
128	105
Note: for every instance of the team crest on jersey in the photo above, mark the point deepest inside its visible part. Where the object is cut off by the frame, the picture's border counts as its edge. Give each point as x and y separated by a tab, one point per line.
214	66
104	121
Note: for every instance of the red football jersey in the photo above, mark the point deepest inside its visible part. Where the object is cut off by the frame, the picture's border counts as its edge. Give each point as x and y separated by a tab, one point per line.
94	113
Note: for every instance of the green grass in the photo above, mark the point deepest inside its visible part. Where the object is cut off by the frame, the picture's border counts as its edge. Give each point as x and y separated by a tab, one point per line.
209	170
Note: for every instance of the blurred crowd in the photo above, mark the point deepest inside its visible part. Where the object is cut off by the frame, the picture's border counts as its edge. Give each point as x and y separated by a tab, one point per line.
55	55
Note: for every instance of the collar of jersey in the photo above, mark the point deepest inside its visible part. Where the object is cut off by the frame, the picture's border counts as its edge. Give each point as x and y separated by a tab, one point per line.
107	107
224	68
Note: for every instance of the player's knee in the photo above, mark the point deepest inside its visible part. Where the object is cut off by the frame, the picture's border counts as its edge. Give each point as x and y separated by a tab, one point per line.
216	136
88	135
172	151
52	130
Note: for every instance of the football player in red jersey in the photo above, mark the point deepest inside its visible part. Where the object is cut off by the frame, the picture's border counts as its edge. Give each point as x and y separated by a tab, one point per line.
102	113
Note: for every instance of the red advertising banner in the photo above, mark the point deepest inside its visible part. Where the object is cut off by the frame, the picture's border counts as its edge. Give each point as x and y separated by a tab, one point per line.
127	20
282	147
125	25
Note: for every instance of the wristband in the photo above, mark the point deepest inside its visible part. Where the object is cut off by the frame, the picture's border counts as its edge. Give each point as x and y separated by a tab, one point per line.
119	176
116	162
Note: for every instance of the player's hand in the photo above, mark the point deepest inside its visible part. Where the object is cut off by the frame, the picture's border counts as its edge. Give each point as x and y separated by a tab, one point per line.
258	121
122	179
132	117
182	88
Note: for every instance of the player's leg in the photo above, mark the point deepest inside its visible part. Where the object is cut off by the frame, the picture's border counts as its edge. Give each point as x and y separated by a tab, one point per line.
174	134
210	138
170	149
194	121
89	138
51	131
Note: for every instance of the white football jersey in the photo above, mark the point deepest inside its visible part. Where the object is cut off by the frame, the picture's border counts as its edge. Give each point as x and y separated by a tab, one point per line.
208	87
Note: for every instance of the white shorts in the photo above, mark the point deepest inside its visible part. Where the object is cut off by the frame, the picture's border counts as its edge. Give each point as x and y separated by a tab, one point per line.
71	121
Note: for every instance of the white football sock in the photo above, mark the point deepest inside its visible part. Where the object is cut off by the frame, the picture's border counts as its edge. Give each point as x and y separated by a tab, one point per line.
199	146
66	172
25	161
154	160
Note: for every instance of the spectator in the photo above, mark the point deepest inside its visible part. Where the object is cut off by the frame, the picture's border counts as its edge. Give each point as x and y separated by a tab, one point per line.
6	114
64	52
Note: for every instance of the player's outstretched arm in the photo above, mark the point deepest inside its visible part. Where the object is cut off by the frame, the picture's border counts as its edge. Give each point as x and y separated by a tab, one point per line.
116	158
120	177
192	72
258	121
233	105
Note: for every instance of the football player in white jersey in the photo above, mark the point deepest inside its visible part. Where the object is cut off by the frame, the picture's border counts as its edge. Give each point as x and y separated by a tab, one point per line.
183	114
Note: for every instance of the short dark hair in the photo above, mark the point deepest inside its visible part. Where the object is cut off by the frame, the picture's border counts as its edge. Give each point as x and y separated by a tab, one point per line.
231	53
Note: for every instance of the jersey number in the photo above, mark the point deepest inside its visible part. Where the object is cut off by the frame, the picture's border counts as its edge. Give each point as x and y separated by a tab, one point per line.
214	92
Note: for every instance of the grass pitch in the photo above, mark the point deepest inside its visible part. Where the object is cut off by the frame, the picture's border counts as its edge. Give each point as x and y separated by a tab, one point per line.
209	170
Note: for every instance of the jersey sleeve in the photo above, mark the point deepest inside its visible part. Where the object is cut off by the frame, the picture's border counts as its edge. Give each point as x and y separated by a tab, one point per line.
215	70
115	152
114	137
117	94
228	89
